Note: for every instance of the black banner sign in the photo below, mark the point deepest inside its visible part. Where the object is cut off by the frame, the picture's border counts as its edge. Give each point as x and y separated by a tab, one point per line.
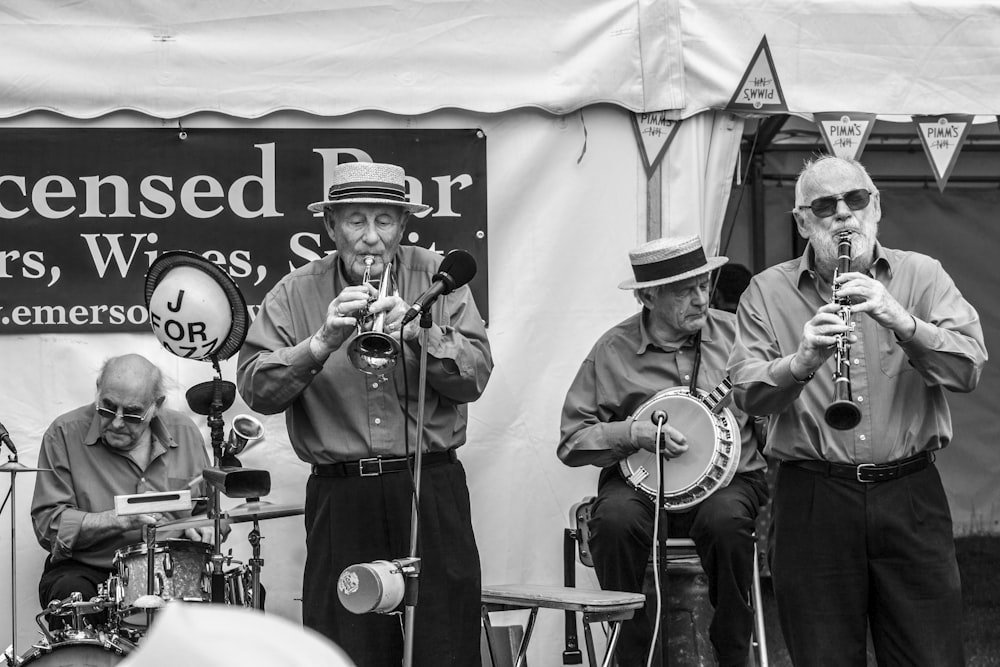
84	213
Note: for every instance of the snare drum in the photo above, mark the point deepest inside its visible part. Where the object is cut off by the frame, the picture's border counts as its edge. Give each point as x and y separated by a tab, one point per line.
181	571
90	652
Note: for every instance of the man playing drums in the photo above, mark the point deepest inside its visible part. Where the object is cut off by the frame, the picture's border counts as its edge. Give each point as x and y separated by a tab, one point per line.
125	443
676	337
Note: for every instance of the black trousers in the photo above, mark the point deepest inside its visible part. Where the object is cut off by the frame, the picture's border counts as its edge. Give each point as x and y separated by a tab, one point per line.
361	519
62	579
621	540
848	555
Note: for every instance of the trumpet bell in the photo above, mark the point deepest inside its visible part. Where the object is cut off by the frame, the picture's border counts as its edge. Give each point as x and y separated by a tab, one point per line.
373	352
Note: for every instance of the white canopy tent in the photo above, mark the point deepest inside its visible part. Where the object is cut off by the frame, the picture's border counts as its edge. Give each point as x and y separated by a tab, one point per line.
553	85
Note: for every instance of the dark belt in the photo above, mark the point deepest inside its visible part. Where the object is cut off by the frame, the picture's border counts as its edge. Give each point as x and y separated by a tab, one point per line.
376	466
867	472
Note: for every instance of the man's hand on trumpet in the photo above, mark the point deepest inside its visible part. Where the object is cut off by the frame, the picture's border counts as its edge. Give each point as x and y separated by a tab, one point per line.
341	319
395	308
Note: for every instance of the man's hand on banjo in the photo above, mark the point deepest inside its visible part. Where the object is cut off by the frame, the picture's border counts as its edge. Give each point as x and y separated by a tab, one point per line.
644	432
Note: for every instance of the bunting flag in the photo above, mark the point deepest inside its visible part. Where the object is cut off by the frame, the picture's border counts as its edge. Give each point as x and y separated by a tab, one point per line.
845	133
759	89
942	137
654	132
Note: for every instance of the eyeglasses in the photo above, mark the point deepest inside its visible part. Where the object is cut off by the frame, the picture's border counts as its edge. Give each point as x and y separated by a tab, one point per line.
128	418
823	207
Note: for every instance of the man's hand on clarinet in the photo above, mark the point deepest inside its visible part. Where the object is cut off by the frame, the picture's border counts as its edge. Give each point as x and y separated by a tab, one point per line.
819	338
868	295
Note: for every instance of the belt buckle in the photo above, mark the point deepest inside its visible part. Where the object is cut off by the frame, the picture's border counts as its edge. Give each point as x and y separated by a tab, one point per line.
361	467
858	473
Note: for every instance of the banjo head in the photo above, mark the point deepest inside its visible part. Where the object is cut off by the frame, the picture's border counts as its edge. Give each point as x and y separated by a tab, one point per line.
709	463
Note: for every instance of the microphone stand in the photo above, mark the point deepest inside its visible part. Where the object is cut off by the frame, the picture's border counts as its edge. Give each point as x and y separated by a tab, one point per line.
14	660
412	569
217	427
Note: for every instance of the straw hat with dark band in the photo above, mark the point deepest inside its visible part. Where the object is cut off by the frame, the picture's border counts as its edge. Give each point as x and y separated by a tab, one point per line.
368	183
669	260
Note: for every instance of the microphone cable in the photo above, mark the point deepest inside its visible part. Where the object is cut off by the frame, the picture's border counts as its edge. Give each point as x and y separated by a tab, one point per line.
656	542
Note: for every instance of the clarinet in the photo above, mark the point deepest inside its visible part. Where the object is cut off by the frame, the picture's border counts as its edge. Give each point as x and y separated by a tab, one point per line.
843	413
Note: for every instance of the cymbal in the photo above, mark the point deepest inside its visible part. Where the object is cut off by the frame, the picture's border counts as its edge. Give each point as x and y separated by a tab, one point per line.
257	511
262	510
14	466
190	522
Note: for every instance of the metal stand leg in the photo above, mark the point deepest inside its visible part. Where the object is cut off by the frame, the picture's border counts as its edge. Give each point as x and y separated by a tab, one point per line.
759	640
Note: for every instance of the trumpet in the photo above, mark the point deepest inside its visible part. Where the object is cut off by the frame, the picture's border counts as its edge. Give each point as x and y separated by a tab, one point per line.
843	413
373	351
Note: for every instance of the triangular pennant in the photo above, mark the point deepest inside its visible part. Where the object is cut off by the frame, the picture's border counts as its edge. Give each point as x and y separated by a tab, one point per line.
759	89
943	137
845	133
654	132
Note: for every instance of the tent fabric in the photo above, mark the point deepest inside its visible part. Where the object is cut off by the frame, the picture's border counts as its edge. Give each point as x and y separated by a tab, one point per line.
248	59
893	57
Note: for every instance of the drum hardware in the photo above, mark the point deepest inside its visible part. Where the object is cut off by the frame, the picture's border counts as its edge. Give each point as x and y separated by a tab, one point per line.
12	467
712	458
373	351
78	609
98	650
226	476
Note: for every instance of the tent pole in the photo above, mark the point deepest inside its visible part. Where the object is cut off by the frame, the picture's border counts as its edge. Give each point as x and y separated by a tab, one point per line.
654	204
757	223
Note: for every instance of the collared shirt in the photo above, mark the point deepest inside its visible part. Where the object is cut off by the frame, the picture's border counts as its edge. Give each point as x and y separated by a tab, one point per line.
333	411
623	371
899	385
87	475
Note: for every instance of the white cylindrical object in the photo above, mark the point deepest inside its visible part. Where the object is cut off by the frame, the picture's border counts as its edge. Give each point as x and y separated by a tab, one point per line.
377	586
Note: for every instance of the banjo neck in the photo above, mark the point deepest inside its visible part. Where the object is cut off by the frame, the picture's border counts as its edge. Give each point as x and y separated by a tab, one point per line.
715	400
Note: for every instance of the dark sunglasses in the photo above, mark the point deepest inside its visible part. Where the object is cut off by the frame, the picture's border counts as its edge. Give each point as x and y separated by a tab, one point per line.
128	418
823	207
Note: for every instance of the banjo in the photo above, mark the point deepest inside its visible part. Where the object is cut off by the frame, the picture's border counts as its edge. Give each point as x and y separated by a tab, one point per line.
709	464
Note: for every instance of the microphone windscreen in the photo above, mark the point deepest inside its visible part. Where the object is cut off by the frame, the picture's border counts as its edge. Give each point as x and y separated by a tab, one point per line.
460	267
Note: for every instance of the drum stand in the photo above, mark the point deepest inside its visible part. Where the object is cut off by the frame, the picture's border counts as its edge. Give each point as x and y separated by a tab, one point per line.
13	467
212	399
255	563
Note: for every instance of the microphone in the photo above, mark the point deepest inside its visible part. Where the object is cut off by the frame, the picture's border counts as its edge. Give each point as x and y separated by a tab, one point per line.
457	268
658	417
5	437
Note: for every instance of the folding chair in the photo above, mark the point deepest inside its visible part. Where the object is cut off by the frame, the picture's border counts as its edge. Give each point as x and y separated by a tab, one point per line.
680	554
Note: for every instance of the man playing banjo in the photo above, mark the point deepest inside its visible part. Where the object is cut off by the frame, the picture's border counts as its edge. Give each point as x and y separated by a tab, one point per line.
675	343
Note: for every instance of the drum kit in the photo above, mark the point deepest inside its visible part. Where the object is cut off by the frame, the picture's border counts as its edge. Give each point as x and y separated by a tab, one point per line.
185	293
144	578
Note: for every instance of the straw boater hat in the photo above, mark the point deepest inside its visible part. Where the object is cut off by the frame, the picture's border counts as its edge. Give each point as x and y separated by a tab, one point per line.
669	260
368	183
